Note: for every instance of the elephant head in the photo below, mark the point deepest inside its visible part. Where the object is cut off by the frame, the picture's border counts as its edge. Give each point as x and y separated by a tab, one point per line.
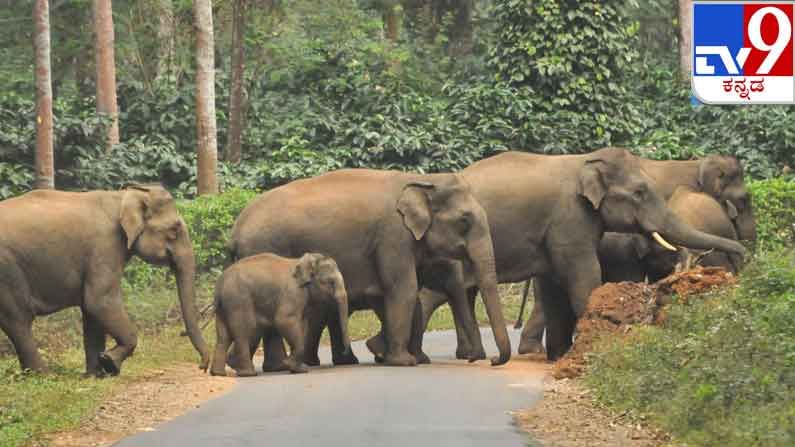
441	212
721	177
155	232
613	183
323	280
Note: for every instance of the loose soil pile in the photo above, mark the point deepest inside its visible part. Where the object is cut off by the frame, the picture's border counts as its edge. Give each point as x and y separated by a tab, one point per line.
615	308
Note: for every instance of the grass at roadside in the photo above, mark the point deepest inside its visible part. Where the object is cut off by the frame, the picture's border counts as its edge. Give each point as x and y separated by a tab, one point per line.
33	405
722	370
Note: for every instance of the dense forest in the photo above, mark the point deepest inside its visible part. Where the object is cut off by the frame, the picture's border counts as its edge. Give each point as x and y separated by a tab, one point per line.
302	87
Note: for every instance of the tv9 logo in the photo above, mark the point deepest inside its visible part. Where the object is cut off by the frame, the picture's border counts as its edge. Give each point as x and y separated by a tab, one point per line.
743	52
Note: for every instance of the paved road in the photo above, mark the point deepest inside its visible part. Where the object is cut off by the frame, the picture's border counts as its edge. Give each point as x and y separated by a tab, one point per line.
447	403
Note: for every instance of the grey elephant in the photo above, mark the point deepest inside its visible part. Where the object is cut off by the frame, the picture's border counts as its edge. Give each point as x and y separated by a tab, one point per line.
266	294
381	227
717	176
547	215
65	249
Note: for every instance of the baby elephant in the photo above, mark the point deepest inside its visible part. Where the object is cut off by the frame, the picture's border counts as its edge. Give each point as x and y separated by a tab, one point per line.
267	293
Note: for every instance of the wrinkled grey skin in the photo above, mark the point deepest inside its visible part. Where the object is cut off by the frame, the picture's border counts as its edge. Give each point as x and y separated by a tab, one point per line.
380	227
718	176
64	249
268	293
547	215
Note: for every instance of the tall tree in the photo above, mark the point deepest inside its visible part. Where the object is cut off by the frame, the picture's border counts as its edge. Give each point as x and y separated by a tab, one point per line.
391	19
685	37
106	67
165	37
45	178
237	100
207	144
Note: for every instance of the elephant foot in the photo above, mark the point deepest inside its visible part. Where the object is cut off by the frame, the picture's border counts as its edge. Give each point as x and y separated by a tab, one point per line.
378	359
98	373
313	361
472	355
400	359
345	359
270	367
376	345
215	372
298	368
109	364
530	346
422	358
246	372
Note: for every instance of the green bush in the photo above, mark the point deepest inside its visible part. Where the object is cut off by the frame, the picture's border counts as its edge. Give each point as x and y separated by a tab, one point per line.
722	370
774	206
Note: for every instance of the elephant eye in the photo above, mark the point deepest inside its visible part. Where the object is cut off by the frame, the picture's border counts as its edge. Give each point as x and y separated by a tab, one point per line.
464	224
639	194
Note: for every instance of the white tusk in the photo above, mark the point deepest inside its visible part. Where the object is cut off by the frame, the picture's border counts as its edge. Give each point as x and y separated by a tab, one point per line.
662	241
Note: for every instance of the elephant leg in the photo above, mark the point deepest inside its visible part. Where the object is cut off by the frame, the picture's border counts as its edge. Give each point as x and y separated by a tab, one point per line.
275	354
93	344
533	332
377	344
105	306
559	316
18	326
222	342
315	325
470	344
338	354
417	331
293	330
398	275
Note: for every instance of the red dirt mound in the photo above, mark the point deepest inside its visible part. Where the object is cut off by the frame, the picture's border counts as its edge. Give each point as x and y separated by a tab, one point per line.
615	307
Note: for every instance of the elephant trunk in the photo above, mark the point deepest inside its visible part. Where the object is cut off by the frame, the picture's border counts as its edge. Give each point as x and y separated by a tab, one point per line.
341	297
481	252
184	267
745	224
677	231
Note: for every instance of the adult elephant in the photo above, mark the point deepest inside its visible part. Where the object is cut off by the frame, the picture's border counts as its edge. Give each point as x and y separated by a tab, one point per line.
718	176
381	227
64	249
547	215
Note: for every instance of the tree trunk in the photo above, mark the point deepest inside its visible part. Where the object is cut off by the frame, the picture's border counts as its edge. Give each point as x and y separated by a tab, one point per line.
461	38
165	37
106	67
45	176
391	23
237	93
685	35
207	144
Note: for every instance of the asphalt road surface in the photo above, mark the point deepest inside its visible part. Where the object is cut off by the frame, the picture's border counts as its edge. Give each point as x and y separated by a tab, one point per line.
447	403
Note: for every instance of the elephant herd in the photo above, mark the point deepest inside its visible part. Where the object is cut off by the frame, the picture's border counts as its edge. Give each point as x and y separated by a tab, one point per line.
304	255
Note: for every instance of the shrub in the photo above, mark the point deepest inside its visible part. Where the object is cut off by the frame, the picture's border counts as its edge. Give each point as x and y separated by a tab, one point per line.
774	206
722	370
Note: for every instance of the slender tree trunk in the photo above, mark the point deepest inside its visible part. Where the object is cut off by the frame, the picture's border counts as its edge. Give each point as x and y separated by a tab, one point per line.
207	144
165	37
685	35
45	169
106	67
391	22
237	95
461	38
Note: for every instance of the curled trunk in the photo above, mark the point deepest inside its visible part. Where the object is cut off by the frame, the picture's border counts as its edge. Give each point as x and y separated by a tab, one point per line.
677	231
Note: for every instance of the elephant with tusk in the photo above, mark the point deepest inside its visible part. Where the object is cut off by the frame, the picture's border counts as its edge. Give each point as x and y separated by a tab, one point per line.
547	214
719	177
64	249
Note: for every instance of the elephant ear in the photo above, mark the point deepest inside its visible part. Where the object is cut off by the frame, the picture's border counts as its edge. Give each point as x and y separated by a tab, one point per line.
133	209
641	246
591	183
414	206
306	268
731	210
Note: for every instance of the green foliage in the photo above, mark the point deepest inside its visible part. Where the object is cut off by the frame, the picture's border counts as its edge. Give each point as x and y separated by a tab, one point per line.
722	371
774	208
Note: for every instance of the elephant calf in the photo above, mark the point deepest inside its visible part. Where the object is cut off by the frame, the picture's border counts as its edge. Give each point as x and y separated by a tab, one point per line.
266	293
